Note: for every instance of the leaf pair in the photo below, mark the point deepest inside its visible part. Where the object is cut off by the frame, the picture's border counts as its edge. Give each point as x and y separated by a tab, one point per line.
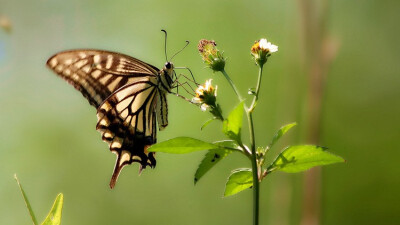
291	160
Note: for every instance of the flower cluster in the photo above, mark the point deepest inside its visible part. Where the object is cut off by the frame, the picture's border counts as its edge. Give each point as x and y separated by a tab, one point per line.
261	50
206	94
211	55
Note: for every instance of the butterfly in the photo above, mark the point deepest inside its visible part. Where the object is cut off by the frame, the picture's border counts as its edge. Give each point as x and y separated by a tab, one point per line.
129	95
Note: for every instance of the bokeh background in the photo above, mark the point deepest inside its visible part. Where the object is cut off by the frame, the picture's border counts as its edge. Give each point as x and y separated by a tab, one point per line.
47	129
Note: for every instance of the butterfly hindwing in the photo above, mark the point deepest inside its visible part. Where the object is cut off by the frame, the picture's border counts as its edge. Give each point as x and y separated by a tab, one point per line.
127	122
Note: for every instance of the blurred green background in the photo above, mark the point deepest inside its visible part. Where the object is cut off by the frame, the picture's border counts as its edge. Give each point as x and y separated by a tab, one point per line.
48	136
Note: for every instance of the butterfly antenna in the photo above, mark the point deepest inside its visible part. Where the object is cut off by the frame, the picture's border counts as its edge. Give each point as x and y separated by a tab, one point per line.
187	43
165	44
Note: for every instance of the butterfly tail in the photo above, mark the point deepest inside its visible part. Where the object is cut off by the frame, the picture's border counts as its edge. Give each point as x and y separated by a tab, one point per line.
123	159
114	178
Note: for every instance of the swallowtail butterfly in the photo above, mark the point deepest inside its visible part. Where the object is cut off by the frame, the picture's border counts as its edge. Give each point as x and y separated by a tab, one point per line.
129	95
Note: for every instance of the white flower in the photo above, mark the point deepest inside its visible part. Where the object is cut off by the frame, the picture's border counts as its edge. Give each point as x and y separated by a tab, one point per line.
261	50
267	46
204	107
206	95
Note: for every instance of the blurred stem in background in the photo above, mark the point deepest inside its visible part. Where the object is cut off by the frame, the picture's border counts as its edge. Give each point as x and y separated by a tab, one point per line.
5	23
319	50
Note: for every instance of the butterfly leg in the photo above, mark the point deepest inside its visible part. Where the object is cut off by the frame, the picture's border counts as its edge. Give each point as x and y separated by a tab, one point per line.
193	80
184	85
184	98
187	83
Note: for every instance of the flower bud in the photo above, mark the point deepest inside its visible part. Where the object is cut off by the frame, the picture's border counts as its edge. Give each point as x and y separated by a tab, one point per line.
211	55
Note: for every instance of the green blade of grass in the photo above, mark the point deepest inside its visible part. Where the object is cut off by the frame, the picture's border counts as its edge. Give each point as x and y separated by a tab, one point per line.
28	205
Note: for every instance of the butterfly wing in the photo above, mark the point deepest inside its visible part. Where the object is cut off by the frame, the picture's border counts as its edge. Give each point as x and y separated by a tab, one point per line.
124	91
127	121
97	74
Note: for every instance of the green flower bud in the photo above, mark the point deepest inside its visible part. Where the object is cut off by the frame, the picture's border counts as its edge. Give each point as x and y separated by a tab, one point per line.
211	55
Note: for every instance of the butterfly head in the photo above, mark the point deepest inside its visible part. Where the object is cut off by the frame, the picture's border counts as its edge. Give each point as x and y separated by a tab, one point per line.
167	73
167	76
169	66
169	69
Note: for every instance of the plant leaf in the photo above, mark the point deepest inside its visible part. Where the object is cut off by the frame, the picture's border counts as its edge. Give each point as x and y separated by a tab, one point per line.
210	159
207	123
232	125
214	156
280	133
229	144
54	216
295	159
239	180
181	145
28	205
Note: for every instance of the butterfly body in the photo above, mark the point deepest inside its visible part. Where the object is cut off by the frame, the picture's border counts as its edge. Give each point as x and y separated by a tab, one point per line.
129	95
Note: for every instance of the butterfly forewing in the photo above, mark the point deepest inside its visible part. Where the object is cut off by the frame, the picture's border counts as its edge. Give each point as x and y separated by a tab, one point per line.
127	97
97	74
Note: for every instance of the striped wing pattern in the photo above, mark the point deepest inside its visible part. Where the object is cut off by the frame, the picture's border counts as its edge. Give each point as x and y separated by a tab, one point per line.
128	124
125	92
97	74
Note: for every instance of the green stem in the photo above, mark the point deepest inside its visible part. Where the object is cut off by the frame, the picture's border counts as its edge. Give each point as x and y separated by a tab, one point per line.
253	157
254	165
217	112
256	183
232	85
254	102
240	100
